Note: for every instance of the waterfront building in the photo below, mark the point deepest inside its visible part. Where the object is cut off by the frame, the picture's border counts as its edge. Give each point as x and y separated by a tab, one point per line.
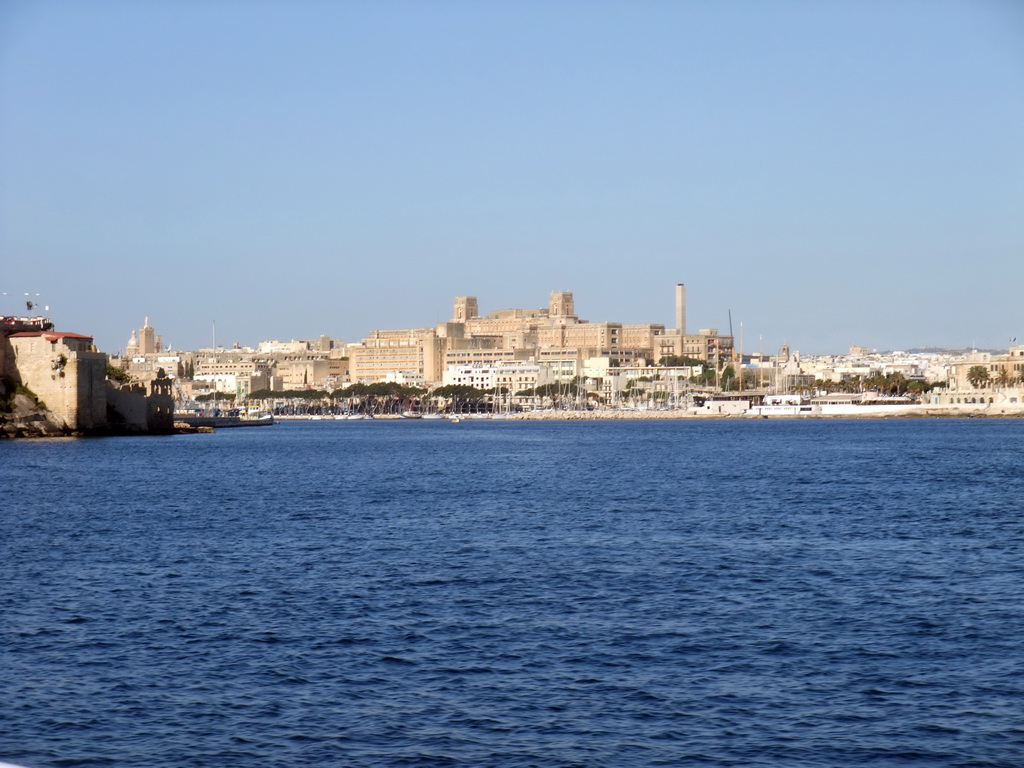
1001	390
1002	370
512	376
417	352
310	372
482	352
65	371
707	344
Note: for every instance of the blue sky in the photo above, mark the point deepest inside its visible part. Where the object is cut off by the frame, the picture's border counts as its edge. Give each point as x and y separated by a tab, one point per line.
833	173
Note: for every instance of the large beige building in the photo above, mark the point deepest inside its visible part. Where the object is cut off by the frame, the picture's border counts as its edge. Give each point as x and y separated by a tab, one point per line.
1003	370
417	353
554	336
1002	392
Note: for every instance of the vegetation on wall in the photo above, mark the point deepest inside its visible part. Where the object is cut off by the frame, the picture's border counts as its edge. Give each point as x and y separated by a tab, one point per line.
118	375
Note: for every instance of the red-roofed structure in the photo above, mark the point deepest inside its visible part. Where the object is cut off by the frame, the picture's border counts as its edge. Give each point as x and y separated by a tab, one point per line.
50	336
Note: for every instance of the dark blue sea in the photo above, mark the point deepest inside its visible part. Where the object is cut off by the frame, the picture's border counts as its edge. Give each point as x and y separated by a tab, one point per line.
725	593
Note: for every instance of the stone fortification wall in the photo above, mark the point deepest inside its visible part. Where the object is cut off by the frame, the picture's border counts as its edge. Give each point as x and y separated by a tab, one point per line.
129	409
71	382
132	409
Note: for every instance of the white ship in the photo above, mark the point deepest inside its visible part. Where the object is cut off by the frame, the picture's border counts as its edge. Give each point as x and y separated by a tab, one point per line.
866	404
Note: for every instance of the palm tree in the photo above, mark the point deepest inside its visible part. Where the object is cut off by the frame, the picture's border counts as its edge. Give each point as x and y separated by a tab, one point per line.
977	375
1003	378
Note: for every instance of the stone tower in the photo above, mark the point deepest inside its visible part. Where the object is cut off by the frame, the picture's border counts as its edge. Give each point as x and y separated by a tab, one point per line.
465	308
147	339
561	304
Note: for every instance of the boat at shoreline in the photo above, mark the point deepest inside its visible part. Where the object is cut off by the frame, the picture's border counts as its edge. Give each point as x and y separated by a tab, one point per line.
866	404
218	422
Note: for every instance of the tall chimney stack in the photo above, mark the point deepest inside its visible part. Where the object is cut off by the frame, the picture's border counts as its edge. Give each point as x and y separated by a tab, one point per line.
680	309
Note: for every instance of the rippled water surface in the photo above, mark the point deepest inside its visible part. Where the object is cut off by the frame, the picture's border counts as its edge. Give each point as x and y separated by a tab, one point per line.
755	593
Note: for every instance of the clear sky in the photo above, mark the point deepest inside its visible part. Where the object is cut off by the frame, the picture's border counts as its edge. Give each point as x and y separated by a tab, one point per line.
833	173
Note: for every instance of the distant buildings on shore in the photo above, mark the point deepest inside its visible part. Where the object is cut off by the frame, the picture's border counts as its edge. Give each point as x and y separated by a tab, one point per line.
527	347
524	348
509	350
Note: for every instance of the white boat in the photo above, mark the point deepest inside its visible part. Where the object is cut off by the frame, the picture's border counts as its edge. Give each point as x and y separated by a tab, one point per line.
866	404
785	405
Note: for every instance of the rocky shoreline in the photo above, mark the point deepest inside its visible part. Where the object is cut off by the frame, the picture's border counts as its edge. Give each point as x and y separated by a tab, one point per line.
26	418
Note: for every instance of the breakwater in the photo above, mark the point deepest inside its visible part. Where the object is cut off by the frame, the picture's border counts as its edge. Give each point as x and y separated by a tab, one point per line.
222	421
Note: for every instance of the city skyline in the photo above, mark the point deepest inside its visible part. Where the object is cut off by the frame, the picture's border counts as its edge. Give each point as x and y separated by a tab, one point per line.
832	175
215	342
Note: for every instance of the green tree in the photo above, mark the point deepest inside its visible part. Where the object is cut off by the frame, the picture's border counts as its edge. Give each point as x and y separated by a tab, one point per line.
977	375
215	396
728	380
459	392
679	361
917	387
707	378
118	375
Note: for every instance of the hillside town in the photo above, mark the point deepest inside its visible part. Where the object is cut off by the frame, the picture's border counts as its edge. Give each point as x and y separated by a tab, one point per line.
529	363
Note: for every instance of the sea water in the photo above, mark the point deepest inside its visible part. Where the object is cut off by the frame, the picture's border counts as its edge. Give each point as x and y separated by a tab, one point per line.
724	593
